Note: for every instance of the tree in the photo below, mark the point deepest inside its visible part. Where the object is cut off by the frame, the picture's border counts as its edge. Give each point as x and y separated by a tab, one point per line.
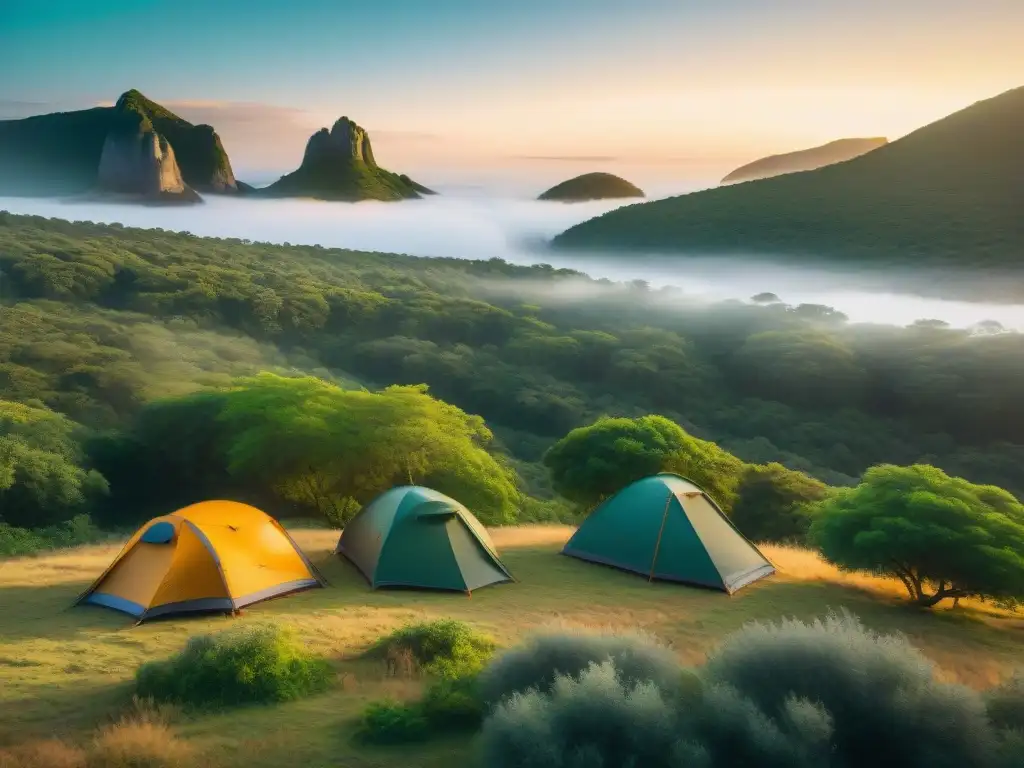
326	447
773	503
942	536
41	480
594	462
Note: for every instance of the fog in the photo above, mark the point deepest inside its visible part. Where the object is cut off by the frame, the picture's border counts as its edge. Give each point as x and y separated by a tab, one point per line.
483	227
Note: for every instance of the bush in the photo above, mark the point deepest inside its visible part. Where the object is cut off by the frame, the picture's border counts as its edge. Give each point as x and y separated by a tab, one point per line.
18	542
245	666
445	648
880	692
454	704
825	694
637	658
594	721
389	722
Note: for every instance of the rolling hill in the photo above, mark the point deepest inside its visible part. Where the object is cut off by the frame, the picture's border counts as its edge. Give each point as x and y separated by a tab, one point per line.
838	151
591	186
950	194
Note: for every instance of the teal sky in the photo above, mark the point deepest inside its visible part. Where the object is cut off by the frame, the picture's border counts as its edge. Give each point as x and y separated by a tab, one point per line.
654	80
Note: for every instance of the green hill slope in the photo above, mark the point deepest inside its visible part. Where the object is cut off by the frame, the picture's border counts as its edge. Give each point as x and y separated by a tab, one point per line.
949	194
339	165
838	151
59	153
592	186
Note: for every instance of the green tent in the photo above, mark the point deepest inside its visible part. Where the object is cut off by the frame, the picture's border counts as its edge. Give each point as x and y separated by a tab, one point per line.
416	537
665	527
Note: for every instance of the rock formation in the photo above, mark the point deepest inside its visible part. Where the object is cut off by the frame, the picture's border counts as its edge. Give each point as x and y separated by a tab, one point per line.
61	153
339	165
138	161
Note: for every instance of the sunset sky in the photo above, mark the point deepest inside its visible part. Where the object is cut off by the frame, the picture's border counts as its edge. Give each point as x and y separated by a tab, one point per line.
478	82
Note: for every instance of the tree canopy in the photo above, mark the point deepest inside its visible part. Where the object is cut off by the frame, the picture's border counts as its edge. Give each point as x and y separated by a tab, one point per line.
591	463
41	480
775	503
942	536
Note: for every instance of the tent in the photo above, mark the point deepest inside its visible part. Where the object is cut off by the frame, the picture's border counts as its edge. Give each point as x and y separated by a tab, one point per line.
416	537
666	527
211	556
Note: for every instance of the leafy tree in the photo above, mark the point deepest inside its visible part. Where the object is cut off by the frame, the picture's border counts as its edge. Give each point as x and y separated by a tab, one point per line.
773	502
942	536
591	463
323	446
41	480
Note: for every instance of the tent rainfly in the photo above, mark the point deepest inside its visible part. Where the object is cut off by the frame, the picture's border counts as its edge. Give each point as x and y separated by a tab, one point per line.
417	537
665	527
212	556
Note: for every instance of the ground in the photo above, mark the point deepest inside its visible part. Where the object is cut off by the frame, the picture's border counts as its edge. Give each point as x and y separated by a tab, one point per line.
66	670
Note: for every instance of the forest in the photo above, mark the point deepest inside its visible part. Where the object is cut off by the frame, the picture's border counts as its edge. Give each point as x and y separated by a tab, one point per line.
117	347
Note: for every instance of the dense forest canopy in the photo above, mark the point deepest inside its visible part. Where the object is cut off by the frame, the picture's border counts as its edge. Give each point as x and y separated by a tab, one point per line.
96	321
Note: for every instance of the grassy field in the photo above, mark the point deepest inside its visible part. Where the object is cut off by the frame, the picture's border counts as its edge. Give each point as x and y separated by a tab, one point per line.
66	671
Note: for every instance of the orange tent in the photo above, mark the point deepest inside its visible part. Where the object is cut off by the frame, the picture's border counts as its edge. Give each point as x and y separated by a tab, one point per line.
211	556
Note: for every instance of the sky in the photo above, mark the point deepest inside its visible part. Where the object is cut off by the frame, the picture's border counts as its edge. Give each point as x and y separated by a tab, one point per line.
663	84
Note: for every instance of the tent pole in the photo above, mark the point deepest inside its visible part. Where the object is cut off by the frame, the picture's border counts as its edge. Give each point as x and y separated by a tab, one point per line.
657	545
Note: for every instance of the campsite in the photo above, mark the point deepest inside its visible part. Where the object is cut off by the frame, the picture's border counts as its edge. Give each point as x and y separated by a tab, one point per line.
75	667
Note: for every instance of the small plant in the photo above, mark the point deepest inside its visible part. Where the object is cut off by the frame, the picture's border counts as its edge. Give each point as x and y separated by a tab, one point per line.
140	743
390	722
260	665
445	648
637	658
1005	703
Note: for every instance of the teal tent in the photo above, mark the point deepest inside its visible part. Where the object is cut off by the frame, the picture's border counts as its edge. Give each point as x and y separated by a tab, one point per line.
416	537
665	527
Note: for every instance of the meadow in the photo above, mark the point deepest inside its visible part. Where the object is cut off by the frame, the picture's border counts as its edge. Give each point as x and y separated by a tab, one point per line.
66	671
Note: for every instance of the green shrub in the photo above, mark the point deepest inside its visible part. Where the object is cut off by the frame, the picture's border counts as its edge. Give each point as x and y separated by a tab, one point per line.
444	648
18	542
637	658
453	704
593	721
245	666
389	722
880	692
825	694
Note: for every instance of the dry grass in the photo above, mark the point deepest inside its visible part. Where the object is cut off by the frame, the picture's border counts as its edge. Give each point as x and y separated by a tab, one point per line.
139	739
65	671
43	754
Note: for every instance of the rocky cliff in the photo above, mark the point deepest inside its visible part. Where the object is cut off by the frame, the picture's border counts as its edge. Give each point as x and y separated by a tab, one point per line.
338	164
138	161
60	153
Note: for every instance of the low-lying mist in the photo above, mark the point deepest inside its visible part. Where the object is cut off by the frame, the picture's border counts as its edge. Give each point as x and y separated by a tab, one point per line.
515	230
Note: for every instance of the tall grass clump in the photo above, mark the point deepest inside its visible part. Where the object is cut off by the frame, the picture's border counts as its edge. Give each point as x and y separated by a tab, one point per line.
261	665
636	658
822	694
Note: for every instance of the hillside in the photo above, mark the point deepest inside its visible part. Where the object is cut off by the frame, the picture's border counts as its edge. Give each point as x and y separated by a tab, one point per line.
591	186
838	151
127	315
60	153
948	195
339	165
